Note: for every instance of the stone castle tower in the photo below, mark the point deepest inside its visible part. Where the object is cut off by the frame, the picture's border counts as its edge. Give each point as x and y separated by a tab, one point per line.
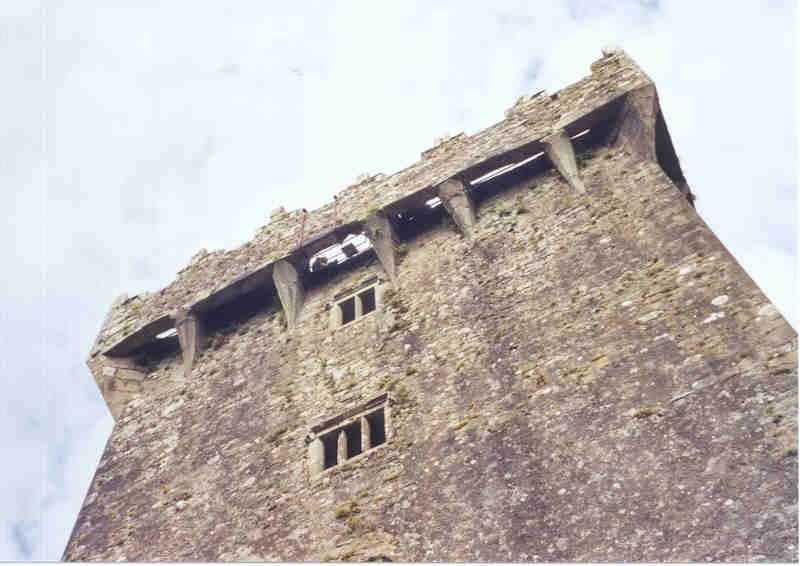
525	346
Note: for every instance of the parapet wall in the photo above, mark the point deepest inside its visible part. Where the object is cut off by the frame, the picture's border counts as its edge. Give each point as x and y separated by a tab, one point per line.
528	120
518	136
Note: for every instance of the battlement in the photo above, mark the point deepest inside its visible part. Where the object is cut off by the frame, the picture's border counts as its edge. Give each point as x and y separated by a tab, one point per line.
593	104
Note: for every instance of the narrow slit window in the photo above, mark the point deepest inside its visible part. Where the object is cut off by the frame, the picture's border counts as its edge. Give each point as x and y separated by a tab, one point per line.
348	310
377	428
329	443
367	299
353	432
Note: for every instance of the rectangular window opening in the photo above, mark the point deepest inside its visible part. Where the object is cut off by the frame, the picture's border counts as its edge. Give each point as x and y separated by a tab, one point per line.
348	308
367	301
349	435
353	432
377	428
329	443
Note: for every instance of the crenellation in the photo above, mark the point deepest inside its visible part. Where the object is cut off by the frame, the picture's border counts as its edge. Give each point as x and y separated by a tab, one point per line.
445	146
374	192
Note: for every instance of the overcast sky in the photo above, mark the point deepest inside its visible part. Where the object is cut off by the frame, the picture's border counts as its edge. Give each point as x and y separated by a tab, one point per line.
136	133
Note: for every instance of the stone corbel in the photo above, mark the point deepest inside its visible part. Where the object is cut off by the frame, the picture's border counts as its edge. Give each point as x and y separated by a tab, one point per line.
458	204
558	147
290	290
635	129
380	232
190	336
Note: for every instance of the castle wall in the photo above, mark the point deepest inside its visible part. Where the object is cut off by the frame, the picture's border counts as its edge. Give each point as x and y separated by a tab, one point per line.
592	377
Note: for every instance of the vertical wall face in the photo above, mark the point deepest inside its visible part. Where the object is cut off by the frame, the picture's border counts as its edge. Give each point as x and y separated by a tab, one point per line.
595	379
588	376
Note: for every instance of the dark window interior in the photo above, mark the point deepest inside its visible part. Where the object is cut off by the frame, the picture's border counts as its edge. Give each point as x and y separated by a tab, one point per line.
348	310
329	442
367	300
377	428
353	432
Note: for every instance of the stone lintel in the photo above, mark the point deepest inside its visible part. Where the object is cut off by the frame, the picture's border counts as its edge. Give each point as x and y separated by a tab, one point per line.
558	147
190	336
290	290
635	129
458	204
380	232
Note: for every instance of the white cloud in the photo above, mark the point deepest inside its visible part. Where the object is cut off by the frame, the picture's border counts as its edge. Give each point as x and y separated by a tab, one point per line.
80	462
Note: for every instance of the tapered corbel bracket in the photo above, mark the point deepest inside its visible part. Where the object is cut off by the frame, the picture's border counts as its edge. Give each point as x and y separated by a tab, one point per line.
635	128
290	290
458	205
380	232
558	147
190	336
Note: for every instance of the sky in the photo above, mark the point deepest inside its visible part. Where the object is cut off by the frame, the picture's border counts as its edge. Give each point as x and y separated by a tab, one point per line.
136	133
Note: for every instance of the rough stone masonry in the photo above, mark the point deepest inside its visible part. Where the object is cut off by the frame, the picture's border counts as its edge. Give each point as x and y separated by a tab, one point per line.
526	346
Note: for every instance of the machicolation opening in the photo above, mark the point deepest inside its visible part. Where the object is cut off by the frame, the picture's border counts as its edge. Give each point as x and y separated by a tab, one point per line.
164	346
418	219
337	254
227	317
353	251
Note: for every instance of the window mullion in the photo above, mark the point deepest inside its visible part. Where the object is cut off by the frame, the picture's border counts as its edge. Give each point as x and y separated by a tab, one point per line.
359	307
